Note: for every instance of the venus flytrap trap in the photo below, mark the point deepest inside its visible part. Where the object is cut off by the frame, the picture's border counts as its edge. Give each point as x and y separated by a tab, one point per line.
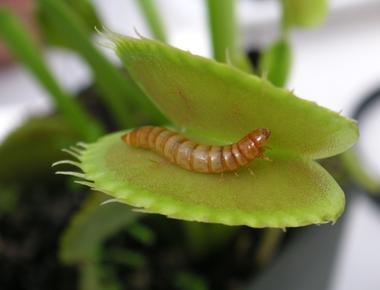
213	103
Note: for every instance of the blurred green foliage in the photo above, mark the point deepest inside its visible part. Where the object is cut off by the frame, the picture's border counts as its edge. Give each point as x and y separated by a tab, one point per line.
304	13
83	9
27	153
275	63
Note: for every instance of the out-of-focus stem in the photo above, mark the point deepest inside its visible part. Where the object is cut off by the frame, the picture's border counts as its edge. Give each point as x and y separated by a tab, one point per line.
122	98
352	165
268	246
222	27
153	19
222	22
22	47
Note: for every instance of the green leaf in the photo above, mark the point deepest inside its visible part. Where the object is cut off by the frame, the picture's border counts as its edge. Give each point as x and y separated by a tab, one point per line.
22	46
189	281
221	14
223	31
142	233
90	227
217	104
82	8
217	237
123	98
97	276
131	258
301	13
275	63
290	191
9	199
205	98
82	241
153	19
27	153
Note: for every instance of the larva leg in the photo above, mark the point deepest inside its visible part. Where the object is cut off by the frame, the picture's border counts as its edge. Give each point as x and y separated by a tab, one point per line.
251	171
266	158
154	161
157	163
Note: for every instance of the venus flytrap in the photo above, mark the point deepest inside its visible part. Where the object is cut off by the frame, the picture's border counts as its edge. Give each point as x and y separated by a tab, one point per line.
214	103
210	103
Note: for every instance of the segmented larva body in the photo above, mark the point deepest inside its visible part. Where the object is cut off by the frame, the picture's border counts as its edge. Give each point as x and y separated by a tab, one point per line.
198	157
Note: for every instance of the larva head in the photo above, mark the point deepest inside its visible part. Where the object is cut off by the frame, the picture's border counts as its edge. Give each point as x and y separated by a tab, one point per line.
252	144
260	136
126	138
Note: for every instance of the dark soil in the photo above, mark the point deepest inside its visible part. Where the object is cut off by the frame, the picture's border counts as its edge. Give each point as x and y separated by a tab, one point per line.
29	242
171	258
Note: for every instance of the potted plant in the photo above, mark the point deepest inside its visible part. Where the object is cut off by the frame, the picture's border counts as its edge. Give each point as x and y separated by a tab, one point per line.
244	215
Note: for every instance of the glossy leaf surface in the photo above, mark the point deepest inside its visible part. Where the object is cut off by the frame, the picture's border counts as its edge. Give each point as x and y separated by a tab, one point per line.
289	191
206	98
217	104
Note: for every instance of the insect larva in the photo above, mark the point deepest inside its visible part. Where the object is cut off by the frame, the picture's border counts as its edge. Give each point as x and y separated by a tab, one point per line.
198	157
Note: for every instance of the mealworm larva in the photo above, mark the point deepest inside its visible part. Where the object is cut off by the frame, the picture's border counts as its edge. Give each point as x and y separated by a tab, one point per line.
198	157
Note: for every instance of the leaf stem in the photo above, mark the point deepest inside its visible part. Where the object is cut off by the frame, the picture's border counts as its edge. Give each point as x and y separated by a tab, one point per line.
222	25
269	246
352	164
222	22
203	238
22	47
153	19
122	97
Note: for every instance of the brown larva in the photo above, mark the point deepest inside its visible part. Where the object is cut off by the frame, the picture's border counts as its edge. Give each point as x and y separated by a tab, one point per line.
197	157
